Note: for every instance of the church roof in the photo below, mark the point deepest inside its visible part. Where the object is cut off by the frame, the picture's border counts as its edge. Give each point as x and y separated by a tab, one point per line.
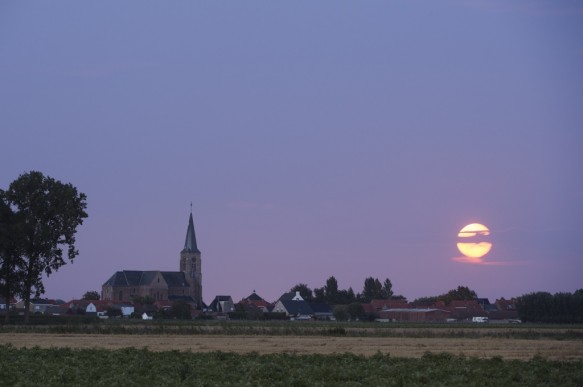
190	242
175	278
140	278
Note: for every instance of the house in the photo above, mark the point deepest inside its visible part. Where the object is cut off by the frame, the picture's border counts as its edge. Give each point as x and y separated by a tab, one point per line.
255	303
126	309
462	309
505	310
11	303
294	309
37	305
507	305
222	304
485	304
140	309
291	296
321	311
88	307
414	315
146	316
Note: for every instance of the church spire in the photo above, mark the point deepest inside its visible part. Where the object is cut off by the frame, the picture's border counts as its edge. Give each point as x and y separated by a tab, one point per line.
190	242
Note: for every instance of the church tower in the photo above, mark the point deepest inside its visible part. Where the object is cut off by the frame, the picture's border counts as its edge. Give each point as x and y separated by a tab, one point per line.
190	263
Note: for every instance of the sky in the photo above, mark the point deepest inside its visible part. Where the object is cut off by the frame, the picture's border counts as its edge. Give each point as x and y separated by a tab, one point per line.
313	138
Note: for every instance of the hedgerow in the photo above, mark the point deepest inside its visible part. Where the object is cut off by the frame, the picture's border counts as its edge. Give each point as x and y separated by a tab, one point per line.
139	367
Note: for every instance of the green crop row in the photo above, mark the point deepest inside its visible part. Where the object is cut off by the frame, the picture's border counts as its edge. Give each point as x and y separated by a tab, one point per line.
139	367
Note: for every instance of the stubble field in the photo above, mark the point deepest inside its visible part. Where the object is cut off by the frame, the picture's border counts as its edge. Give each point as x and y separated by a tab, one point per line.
506	348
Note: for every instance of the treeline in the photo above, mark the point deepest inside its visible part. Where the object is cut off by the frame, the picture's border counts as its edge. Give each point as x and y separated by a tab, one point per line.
461	293
373	289
544	307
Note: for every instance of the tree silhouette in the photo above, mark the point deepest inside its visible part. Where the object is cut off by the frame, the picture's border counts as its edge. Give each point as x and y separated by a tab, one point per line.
47	215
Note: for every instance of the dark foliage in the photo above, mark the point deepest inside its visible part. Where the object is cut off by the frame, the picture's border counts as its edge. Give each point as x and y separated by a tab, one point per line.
44	220
91	295
551	308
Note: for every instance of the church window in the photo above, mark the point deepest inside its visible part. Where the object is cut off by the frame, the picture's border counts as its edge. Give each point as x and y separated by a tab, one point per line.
120	295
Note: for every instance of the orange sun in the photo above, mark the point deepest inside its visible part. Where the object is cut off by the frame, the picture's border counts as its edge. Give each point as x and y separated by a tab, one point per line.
476	249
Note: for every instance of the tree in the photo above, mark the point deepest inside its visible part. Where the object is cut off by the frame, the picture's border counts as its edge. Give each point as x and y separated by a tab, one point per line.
340	312
355	311
319	295
10	258
544	307
460	294
387	289
91	295
331	290
181	310
304	290
48	213
372	289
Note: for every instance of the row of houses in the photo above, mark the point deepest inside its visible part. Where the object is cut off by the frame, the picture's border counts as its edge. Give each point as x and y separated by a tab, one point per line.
290	305
394	310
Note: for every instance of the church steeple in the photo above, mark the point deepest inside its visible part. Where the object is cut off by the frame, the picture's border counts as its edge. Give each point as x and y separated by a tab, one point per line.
190	263
190	242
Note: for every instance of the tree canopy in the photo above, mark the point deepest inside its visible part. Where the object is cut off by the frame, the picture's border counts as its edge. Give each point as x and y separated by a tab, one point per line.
91	295
459	294
551	308
374	290
42	215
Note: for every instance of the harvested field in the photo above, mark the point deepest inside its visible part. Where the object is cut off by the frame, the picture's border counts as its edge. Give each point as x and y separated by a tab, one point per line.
522	349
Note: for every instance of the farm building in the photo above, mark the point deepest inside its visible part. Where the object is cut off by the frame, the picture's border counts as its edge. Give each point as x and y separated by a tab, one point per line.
414	315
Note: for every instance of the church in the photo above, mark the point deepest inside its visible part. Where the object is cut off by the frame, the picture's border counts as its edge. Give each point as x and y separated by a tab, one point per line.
186	284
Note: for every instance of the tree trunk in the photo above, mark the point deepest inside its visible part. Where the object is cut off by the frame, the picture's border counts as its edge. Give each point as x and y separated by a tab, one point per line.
27	289
7	310
26	308
26	296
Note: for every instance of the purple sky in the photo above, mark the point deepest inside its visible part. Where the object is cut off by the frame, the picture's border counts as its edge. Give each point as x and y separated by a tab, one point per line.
313	138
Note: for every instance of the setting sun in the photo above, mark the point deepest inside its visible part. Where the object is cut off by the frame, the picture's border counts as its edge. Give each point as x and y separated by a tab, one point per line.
475	249
473	229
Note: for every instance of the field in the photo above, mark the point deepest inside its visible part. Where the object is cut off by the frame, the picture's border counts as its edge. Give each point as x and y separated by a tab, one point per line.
367	346
212	353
